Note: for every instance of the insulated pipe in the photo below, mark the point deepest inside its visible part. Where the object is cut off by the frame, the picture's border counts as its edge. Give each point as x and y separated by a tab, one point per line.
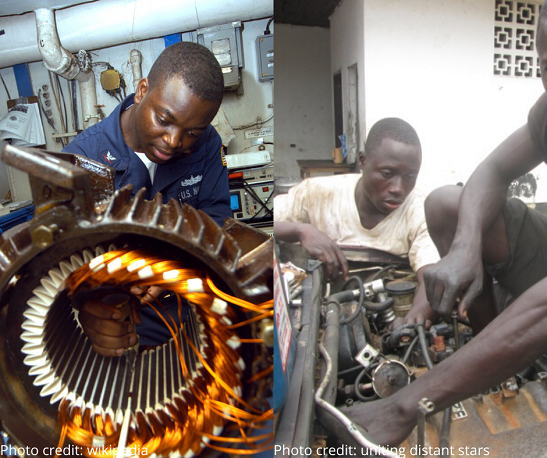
98	25
58	60
136	60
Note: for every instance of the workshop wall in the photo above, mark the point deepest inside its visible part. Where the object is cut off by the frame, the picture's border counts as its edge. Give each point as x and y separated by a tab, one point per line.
303	96
254	105
431	63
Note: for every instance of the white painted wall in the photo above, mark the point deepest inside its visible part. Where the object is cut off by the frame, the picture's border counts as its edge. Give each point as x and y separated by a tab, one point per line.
430	62
256	101
303	97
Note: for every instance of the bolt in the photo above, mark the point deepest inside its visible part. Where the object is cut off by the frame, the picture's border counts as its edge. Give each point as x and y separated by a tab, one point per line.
46	95
45	87
43	236
48	103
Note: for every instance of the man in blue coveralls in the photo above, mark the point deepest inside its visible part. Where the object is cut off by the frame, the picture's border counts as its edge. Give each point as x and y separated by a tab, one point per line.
161	138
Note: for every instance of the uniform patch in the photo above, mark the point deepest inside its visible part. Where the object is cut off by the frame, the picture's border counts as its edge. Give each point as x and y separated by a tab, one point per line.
109	158
191	181
224	163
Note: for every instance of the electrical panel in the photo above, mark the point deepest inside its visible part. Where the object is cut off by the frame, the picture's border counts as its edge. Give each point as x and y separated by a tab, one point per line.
252	201
226	44
265	54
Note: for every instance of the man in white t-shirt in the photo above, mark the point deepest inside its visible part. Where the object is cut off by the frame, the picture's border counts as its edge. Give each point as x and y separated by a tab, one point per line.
378	208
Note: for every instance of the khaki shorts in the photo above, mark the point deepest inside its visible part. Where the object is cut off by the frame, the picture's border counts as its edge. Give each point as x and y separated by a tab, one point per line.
527	235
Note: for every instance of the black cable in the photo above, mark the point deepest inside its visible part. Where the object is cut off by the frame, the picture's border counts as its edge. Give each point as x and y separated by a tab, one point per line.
423	345
409	350
264	205
122	85
360	396
250	190
74	103
267	31
349	371
61	95
375	275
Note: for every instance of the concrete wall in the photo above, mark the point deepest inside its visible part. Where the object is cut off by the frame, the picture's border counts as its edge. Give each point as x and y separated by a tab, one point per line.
303	97
256	102
430	62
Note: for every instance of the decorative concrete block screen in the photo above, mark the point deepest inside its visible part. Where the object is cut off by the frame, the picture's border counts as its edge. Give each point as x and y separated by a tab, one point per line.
514	40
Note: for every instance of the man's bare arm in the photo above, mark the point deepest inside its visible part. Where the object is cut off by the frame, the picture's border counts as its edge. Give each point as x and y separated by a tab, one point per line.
460	272
316	242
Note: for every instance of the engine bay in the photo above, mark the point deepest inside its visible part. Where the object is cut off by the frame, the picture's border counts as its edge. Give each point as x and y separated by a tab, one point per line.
351	347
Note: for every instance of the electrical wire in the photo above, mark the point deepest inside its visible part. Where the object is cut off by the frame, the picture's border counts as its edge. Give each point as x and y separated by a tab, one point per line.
71	104
258	122
62	97
267	31
74	104
216	401
5	87
58	103
263	205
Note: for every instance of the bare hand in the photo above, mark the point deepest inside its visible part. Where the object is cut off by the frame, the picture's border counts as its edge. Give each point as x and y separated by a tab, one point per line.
148	295
425	317
323	248
103	325
457	275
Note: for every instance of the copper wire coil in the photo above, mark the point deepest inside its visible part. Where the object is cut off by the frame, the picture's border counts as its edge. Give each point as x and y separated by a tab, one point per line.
192	420
77	207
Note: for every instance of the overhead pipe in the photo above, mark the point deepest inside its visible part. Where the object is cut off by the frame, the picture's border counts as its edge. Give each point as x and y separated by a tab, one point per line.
136	60
106	23
62	62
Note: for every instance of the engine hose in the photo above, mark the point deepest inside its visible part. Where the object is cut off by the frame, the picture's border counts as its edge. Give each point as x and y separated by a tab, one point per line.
360	396
381	307
357	311
331	339
409	349
423	346
447	415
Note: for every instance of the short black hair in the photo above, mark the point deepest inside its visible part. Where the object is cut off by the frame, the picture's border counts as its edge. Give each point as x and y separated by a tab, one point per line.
195	64
394	128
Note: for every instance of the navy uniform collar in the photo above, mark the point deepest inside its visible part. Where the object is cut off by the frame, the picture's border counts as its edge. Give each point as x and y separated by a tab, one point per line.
124	155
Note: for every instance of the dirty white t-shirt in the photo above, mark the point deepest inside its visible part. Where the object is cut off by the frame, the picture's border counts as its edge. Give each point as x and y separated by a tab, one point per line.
328	203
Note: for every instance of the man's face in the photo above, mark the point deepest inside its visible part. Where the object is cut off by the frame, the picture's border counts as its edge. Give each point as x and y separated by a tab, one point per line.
541	47
389	175
169	119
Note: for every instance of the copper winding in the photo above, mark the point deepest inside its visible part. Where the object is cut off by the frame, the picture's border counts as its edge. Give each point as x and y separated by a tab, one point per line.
194	420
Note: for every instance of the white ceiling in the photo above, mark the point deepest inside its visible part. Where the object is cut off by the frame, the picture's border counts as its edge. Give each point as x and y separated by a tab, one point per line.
11	7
